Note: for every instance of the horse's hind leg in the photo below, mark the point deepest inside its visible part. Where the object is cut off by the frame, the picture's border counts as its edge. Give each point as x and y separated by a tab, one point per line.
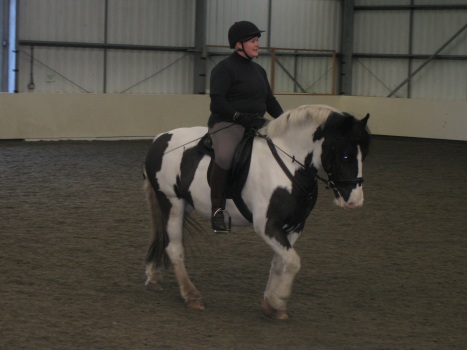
156	256
176	252
167	226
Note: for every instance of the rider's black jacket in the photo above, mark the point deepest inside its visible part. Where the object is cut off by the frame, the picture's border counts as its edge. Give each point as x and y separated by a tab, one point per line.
240	85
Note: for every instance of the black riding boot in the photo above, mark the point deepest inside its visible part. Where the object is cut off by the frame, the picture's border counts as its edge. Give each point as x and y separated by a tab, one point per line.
219	178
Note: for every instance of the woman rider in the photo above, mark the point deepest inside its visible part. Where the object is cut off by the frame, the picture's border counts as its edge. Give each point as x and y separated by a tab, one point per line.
240	96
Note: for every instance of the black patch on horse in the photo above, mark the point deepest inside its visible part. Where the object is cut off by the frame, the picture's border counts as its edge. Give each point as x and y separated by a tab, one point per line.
299	204
153	162
188	166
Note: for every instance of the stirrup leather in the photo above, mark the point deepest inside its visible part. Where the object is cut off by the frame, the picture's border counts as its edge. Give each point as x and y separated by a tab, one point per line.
218	221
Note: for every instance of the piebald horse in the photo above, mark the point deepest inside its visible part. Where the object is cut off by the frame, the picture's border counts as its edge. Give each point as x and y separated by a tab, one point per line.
279	192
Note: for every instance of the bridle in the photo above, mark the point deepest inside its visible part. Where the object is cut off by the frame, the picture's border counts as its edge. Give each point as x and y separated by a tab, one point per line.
331	182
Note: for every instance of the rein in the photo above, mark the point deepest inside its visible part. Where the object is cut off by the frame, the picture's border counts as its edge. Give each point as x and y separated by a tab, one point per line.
199	138
284	168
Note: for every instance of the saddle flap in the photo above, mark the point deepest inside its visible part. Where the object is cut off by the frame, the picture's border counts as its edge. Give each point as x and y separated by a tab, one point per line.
239	171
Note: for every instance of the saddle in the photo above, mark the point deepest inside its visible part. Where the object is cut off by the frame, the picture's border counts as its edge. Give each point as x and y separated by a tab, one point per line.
239	171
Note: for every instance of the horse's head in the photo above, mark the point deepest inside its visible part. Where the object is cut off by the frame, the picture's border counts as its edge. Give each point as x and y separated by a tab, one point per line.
344	148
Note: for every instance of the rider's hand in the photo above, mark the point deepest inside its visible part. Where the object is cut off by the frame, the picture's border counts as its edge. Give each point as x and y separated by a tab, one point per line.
249	120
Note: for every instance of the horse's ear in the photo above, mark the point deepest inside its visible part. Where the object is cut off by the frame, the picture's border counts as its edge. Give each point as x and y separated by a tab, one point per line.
364	121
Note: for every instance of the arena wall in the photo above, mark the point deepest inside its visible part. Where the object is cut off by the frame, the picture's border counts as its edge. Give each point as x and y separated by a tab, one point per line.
91	116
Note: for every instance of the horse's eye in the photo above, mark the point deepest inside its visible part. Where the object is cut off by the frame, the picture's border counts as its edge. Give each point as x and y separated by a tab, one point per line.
346	157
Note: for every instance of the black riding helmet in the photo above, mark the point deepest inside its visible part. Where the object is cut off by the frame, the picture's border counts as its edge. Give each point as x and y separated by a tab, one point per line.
243	31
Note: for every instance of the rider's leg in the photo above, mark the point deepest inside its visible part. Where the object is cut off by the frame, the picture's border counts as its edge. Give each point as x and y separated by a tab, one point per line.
219	179
225	139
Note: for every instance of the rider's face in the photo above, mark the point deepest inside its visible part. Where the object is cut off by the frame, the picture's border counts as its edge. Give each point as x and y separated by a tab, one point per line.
251	47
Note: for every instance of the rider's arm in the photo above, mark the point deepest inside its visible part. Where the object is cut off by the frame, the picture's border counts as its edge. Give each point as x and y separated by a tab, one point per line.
273	107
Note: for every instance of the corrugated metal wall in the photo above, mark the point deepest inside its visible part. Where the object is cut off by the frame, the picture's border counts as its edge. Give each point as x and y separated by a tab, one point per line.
61	20
404	32
300	24
60	70
70	70
221	14
306	24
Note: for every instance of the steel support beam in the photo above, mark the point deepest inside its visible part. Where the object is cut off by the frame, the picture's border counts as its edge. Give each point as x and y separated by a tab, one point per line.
199	78
345	85
410	48
268	32
4	53
106	21
409	7
83	45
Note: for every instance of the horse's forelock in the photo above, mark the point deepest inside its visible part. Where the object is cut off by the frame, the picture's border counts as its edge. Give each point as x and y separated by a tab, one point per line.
346	128
299	116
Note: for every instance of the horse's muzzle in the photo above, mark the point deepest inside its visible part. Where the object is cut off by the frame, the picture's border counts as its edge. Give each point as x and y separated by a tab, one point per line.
355	199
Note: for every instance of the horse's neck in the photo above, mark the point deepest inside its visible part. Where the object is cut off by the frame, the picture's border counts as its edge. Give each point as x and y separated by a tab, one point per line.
298	142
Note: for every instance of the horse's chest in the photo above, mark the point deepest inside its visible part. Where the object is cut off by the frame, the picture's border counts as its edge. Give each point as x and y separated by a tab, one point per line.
291	209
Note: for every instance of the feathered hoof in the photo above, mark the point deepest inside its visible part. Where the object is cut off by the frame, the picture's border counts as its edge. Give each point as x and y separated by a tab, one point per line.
154	286
273	313
195	305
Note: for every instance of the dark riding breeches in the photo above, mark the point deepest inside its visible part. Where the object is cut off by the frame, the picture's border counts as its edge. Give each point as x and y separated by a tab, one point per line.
225	139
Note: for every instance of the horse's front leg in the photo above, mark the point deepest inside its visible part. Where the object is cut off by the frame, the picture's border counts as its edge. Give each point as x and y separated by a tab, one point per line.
284	266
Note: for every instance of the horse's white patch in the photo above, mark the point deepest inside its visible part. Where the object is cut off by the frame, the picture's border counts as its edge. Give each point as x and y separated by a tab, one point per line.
317	152
356	196
297	117
360	162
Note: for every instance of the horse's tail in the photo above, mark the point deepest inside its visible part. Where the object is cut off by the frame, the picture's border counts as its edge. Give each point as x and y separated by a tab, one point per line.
156	254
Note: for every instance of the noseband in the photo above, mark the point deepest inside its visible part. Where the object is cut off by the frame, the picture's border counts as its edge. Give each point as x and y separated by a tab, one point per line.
333	184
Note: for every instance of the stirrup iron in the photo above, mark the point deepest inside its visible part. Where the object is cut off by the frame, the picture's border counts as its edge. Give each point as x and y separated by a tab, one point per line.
222	228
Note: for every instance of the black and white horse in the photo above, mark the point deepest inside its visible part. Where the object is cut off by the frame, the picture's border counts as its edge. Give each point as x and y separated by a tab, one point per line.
276	197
